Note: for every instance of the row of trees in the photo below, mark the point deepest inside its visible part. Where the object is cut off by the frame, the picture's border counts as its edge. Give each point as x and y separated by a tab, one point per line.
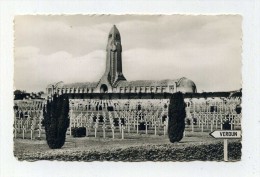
56	119
22	94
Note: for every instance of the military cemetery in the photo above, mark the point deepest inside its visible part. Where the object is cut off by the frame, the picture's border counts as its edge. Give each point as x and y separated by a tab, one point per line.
147	116
114	119
122	118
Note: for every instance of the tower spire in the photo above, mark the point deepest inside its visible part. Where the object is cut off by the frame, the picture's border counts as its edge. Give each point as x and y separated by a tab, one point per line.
114	57
113	73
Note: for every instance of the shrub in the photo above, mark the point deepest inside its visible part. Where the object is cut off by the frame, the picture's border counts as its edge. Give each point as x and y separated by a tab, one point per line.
101	118
177	114
78	131
238	109
226	125
164	118
56	120
141	126
110	108
116	121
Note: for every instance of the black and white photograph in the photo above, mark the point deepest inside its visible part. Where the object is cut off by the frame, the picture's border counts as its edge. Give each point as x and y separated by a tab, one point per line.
131	88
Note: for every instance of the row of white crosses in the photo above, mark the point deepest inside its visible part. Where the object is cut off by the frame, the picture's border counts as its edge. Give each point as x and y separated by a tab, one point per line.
28	115
131	118
29	124
117	104
88	104
196	107
226	105
214	121
226	113
29	104
80	118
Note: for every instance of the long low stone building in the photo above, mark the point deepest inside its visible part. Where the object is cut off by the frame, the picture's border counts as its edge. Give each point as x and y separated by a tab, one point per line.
113	80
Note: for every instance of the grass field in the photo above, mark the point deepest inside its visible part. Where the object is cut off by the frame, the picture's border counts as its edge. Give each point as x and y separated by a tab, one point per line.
194	146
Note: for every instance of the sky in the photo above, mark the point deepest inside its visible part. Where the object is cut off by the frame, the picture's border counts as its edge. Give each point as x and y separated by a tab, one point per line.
72	48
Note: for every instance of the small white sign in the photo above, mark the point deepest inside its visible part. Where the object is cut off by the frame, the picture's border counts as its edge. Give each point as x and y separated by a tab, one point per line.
226	134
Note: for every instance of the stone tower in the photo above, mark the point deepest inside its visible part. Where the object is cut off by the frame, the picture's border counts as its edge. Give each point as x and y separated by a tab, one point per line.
114	57
113	72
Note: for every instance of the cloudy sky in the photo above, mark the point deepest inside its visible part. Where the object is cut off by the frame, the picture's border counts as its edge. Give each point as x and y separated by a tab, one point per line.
205	49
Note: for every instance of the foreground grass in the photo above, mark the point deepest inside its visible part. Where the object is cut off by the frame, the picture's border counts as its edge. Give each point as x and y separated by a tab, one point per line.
133	148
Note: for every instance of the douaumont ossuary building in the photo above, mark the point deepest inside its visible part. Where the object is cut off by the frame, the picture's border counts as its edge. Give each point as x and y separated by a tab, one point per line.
113	80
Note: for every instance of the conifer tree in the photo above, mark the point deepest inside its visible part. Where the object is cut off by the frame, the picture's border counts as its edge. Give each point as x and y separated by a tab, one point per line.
56	118
177	114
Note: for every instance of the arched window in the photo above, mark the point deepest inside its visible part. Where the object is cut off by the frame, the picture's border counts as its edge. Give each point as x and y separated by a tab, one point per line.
103	88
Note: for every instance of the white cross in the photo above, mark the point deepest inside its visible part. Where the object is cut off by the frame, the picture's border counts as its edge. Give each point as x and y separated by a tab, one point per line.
32	129
146	124
202	123
23	131
113	130
40	130
95	127
155	128
120	125
88	126
137	128
128	126
123	127
104	130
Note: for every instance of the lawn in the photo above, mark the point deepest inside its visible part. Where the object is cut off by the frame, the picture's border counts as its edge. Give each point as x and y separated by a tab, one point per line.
135	147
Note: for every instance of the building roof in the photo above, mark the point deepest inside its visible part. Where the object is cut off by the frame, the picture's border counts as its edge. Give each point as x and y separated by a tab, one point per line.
146	83
80	85
183	82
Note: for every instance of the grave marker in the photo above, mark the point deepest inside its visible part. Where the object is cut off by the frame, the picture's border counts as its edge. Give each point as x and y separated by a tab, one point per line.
146	124
95	127
40	131
123	127
113	131
32	128
104	130
137	128
23	131
128	126
120	125
155	128
88	126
